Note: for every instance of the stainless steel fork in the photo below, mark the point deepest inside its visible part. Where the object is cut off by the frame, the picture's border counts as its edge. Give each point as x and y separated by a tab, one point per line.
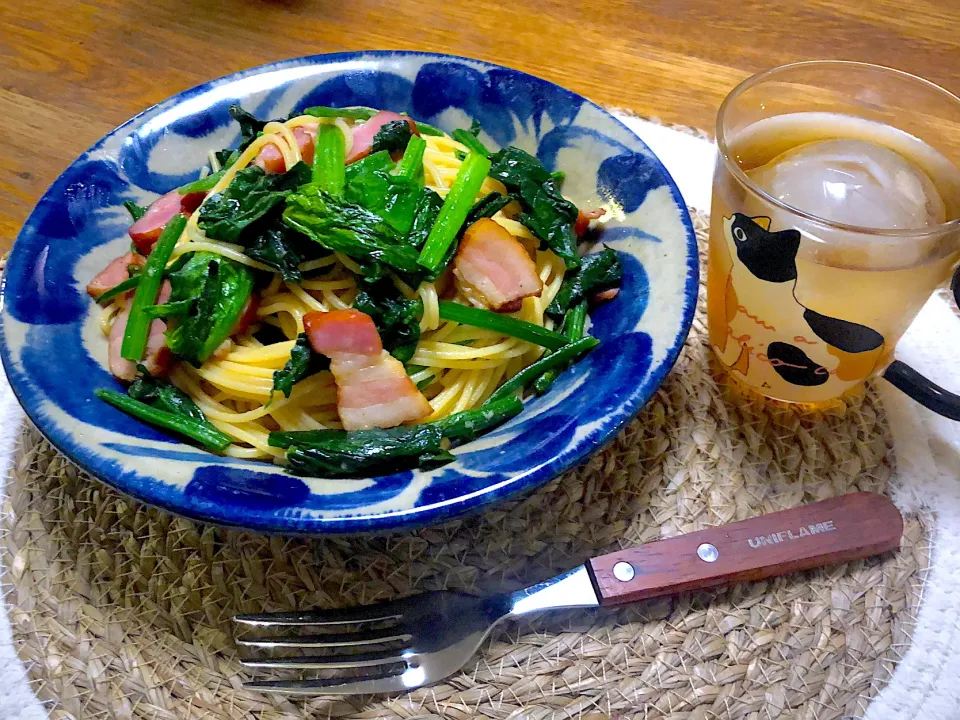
403	644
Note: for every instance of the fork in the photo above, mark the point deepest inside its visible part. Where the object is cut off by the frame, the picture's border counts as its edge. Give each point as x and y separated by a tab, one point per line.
404	644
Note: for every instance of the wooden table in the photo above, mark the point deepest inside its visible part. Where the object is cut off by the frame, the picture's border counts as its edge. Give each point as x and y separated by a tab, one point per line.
70	70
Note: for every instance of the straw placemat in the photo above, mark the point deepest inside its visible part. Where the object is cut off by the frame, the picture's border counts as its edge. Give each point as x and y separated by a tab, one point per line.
122	611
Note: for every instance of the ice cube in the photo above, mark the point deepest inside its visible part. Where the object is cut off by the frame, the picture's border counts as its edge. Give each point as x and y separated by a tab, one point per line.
854	182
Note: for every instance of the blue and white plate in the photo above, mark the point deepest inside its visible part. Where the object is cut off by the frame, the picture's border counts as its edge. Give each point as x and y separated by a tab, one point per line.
55	355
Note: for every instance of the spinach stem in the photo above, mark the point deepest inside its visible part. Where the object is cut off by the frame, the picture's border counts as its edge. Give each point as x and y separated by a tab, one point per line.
351	113
138	324
129	284
210	438
470	141
204	184
505	324
329	155
544	364
456	206
412	161
573	325
427	129
136	211
470	424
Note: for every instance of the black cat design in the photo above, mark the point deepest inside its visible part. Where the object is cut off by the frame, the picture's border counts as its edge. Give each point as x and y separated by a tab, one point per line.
771	257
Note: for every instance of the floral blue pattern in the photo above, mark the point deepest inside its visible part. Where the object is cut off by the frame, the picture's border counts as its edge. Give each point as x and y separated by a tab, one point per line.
55	358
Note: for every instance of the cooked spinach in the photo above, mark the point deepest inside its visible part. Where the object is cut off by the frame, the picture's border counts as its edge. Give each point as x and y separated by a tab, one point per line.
470	139
278	246
249	197
203	433
392	136
345	227
164	396
547	214
444	235
427	129
598	272
159	403
424	216
226	157
250	126
216	290
574	323
397	319
358	112
338	453
303	363
487	206
136	211
471	424
375	162
555	362
391	197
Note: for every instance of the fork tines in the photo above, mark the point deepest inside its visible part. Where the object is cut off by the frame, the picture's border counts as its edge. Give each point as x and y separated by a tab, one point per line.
379	670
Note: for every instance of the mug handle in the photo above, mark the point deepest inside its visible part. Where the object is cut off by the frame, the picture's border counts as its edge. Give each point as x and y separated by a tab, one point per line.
924	391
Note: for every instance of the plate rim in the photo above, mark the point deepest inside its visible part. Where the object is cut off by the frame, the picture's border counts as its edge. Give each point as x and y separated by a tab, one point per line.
174	499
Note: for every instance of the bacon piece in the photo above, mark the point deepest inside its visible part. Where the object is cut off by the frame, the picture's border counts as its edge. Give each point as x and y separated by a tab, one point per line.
363	135
494	269
271	159
583	220
375	391
146	231
113	274
342	331
373	388
604	295
247	317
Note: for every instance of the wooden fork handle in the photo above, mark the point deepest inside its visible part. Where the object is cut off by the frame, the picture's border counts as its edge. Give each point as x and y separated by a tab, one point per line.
828	532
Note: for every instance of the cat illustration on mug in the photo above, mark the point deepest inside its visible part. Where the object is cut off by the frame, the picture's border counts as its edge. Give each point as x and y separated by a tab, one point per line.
767	327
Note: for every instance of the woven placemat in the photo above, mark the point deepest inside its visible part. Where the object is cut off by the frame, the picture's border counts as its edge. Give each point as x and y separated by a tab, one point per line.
122	611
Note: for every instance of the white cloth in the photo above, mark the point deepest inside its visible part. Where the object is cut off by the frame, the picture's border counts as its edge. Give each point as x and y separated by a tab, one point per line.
924	684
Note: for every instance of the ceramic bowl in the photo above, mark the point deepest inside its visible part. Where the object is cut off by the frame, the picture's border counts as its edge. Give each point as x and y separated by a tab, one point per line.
55	356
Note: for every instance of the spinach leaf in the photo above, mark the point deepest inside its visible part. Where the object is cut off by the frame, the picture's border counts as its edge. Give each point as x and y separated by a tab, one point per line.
397	319
547	214
336	453
392	198
164	396
226	157
487	206
348	228
203	433
250	126
424	216
136	211
218	290
250	196
598	272
375	162
371	184
392	136
278	246
303	362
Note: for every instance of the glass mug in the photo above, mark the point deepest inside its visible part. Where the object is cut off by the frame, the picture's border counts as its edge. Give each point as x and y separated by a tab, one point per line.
804	309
